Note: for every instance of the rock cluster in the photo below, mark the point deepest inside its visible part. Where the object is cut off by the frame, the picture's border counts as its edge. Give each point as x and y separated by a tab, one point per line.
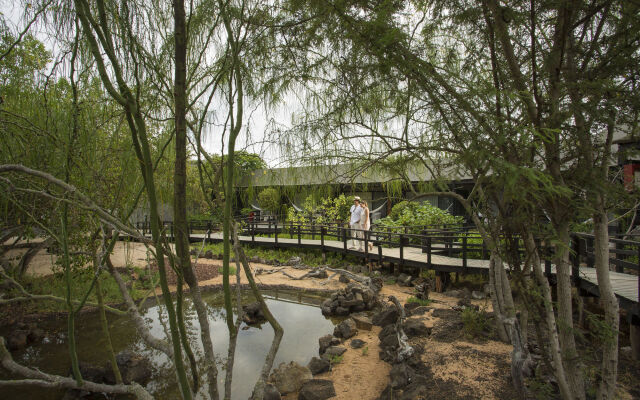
289	378
133	368
317	389
353	298
253	313
23	335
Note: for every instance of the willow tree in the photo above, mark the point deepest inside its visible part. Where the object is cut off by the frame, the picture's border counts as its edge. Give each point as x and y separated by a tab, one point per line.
487	89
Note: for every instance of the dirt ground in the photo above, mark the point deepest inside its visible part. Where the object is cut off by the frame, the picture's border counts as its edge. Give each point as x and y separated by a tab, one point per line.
457	367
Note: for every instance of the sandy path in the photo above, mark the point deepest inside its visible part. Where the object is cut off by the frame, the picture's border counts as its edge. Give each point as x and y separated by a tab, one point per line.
360	375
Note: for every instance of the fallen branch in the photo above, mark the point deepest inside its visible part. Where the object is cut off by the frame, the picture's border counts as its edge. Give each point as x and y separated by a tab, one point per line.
132	310
405	351
31	297
41	379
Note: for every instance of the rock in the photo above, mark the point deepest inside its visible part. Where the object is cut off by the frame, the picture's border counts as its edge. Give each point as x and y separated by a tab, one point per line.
390	342
486	289
362	322
357	343
208	254
461	294
476	295
385	317
399	376
253	313
344	279
35	335
133	368
404	280
408	307
415	390
271	393
294	261
289	378
345	329
387	394
465	302
255	259
341	311
386	331
92	373
421	310
326	341
17	340
318	365
193	252
334	351
415	328
317	389
444	313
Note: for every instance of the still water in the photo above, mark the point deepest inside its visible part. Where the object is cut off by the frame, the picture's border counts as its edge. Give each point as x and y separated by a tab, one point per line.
298	314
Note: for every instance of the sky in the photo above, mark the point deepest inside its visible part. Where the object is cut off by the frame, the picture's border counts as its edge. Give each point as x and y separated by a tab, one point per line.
254	136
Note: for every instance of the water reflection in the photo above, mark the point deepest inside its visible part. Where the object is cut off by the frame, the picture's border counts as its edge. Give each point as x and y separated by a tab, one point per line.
303	324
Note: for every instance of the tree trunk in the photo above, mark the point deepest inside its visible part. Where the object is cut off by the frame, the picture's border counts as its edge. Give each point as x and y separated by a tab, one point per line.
568	349
550	318
180	222
607	386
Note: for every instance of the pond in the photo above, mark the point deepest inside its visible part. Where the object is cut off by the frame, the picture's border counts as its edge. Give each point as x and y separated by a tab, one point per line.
298	313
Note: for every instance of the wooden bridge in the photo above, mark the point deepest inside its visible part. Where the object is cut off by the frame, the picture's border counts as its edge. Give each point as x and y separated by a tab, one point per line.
441	249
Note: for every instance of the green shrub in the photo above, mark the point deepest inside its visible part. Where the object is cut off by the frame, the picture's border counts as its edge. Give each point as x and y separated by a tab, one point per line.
336	359
419	301
475	322
269	199
390	282
414	215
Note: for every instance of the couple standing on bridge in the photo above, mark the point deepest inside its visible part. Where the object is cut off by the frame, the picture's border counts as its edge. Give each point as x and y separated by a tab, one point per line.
360	221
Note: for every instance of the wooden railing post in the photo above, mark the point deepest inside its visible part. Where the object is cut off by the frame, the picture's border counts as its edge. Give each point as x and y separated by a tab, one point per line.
276	234
208	231
401	249
344	238
429	251
365	234
464	251
269	226
299	234
313	229
323	231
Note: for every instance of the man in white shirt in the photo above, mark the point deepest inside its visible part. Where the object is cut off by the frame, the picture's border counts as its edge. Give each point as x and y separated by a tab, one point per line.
354	223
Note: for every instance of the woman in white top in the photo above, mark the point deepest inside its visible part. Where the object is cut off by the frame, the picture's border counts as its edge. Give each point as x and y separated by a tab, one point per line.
367	221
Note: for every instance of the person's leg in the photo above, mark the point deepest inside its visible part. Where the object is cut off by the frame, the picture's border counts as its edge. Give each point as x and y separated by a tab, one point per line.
353	237
360	237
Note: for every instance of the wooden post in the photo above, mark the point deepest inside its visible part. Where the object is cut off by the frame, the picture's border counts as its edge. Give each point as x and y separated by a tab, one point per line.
253	231
589	244
429	251
276	235
313	229
344	238
269	226
401	250
366	245
323	231
209	231
464	254
439	285
299	234
380	254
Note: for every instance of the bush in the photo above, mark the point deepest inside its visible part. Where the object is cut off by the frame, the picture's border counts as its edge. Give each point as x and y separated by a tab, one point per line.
419	301
475	322
269	199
